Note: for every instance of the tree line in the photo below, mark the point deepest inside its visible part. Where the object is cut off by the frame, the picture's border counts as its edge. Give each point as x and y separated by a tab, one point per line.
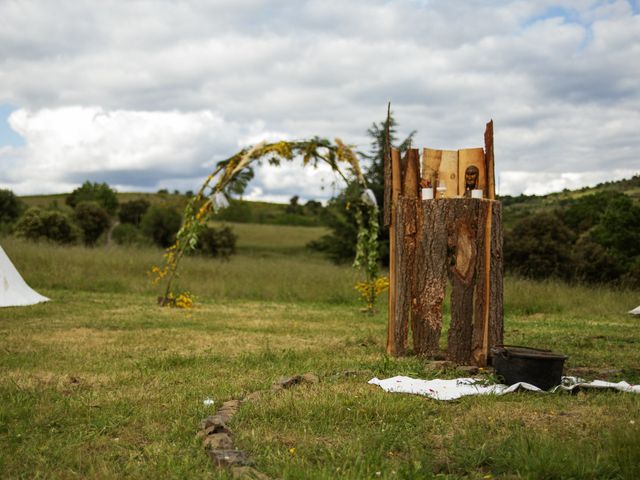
94	215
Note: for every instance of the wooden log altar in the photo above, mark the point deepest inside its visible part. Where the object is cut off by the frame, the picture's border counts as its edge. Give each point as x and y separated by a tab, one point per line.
452	239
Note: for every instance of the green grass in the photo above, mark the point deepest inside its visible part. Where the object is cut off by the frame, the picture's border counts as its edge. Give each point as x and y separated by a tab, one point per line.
267	240
101	383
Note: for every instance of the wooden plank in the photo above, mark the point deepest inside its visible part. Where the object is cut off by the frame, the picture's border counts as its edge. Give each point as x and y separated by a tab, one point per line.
404	247
496	310
405	235
411	179
469	158
395	192
448	174
489	161
488	319
431	165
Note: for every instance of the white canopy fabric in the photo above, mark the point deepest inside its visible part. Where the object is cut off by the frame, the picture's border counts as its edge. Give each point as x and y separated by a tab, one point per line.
14	291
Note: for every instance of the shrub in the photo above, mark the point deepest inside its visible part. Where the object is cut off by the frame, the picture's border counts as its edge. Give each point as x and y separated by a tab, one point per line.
10	206
97	192
127	234
593	263
37	224
217	242
539	246
161	223
619	228
132	211
93	220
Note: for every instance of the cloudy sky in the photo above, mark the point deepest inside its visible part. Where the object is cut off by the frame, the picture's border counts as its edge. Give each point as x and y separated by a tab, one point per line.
149	94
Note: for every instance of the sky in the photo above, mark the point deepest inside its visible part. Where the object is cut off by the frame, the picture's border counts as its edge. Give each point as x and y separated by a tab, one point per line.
150	94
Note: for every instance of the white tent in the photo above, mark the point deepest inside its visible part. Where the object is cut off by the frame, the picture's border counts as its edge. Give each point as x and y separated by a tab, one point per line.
14	291
635	311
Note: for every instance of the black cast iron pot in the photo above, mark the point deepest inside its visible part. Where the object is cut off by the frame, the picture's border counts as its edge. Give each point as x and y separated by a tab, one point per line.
542	368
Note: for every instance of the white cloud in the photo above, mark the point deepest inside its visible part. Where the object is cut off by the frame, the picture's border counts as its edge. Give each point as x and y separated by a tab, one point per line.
71	144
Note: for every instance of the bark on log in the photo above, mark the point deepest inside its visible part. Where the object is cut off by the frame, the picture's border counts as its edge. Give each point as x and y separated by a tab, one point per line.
495	307
430	277
463	240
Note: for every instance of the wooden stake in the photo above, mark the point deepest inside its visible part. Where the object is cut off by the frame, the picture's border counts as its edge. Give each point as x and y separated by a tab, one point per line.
395	193
487	286
489	161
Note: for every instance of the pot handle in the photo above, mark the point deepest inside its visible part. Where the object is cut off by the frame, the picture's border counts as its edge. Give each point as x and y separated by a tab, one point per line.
520	346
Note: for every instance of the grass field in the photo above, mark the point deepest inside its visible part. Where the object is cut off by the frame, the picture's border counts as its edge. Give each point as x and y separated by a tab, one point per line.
102	383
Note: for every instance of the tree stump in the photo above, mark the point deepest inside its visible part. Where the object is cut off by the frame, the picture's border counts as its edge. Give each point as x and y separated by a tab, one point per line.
445	240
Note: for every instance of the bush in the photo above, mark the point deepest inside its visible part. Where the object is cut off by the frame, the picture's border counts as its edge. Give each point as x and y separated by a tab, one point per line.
619	228
160	224
127	234
217	242
93	220
593	263
37	224
132	211
97	192
539	246
10	207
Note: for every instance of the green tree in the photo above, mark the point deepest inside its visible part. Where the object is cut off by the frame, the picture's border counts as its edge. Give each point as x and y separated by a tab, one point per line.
341	243
161	223
619	228
294	206
96	192
93	220
584	212
217	242
375	172
539	246
593	263
10	207
133	210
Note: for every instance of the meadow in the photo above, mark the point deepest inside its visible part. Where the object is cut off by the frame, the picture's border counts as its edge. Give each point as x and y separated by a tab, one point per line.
102	383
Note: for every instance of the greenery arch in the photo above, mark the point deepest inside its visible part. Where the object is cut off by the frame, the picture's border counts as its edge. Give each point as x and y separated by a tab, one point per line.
233	174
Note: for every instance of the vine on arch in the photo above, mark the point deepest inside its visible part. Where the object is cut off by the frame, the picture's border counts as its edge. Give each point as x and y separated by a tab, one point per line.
234	173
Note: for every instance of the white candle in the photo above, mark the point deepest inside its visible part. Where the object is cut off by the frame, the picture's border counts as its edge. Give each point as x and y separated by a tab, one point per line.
427	193
476	193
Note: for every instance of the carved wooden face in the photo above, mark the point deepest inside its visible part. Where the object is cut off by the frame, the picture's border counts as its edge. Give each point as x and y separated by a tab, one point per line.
471	175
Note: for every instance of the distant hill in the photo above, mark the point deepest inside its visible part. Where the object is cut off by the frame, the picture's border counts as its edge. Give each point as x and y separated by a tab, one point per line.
518	207
243	211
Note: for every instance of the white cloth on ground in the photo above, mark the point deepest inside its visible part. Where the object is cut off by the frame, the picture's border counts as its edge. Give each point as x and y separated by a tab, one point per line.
461	387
